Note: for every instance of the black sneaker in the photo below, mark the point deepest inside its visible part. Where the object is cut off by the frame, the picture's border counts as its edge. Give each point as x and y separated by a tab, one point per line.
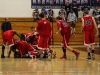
89	57
2	56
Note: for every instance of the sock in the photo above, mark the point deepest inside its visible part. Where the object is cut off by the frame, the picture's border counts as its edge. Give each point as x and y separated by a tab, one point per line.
92	51
3	48
89	54
64	51
74	51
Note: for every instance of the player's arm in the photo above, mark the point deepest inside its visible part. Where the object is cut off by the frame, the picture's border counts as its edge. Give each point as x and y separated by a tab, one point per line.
59	27
59	30
95	25
82	25
17	34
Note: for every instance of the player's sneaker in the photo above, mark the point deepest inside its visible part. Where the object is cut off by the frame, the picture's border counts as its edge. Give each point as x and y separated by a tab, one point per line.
93	56
49	55
41	56
77	55
2	56
89	57
54	55
63	57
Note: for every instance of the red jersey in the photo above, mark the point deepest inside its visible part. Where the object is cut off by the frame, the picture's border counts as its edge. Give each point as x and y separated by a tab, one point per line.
65	27
28	35
44	28
88	23
8	34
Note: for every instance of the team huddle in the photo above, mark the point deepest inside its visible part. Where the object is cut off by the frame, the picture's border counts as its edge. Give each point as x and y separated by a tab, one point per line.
37	44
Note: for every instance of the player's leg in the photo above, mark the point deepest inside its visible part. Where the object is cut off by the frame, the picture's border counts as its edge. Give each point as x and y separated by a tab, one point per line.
3	49
88	51
64	53
66	38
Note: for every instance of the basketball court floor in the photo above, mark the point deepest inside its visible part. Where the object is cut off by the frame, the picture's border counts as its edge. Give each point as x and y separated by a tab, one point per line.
71	66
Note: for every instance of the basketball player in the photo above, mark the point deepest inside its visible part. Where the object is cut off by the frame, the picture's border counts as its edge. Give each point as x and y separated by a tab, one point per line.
8	36
88	25
65	29
44	30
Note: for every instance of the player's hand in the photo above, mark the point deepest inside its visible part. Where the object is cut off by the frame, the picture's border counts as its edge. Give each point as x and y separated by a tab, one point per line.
97	34
74	35
56	32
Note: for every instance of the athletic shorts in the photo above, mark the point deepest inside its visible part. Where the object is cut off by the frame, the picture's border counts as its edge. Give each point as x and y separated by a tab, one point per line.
43	42
89	37
10	41
65	40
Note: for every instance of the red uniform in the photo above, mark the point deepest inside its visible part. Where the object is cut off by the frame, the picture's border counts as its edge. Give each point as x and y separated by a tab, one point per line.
24	47
65	32
28	35
8	36
44	30
88	30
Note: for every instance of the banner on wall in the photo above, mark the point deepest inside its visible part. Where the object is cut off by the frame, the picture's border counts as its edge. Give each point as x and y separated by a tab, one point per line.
56	4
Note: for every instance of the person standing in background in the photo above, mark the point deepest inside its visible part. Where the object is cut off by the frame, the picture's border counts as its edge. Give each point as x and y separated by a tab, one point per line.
6	25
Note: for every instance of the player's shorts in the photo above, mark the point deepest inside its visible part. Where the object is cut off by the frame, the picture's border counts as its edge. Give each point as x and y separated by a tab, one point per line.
89	38
10	41
43	42
65	40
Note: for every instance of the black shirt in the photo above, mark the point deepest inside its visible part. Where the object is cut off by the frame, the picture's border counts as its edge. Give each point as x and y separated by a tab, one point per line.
6	26
96	12
67	8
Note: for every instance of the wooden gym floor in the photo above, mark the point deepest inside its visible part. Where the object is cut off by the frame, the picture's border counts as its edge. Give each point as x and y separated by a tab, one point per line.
28	66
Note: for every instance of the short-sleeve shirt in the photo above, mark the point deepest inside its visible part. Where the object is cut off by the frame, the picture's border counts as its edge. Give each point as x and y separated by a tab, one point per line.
44	28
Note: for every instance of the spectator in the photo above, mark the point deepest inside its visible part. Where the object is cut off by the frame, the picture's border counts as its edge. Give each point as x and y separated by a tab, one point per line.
51	12
80	13
85	8
6	25
75	8
96	13
62	11
72	19
67	8
36	14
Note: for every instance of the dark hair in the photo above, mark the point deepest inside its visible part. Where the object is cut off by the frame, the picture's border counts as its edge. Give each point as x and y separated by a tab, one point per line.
22	37
86	12
59	17
32	27
41	15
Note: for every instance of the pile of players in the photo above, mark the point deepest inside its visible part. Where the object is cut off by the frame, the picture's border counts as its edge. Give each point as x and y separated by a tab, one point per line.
25	47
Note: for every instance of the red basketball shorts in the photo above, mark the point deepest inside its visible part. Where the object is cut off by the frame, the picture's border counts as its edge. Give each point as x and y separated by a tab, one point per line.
10	41
43	42
65	40
89	37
